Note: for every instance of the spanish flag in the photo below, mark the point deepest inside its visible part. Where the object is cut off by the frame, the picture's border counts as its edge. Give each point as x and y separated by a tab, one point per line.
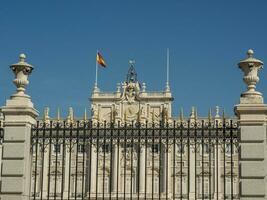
100	60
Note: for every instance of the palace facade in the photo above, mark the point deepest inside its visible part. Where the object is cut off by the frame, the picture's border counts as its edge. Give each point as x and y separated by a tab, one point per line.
127	169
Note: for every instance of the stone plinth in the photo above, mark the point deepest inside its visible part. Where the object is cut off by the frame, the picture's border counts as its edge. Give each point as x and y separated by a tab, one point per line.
16	161
252	120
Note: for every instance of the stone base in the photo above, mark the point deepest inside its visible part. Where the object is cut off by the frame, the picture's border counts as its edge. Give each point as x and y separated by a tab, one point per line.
14	197
251	98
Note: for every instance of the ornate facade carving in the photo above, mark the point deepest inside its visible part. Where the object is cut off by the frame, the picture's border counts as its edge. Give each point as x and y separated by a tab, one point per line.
131	103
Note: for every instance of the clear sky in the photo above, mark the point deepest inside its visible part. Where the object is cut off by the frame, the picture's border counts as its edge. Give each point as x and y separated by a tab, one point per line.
60	38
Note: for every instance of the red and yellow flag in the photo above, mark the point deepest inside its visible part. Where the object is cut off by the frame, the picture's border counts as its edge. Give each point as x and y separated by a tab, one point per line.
100	60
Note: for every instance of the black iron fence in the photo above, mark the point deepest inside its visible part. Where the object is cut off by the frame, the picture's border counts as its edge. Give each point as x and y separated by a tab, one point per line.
179	160
1	132
1	142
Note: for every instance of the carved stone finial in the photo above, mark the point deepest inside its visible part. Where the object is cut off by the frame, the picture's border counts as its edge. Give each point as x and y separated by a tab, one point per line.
250	53
143	87
70	114
46	114
22	57
21	70
118	88
193	114
217	109
250	67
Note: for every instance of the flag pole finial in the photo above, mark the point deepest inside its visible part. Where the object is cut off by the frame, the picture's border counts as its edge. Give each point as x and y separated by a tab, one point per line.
96	74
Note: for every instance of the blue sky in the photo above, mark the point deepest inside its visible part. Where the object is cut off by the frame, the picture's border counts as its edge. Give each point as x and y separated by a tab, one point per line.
60	38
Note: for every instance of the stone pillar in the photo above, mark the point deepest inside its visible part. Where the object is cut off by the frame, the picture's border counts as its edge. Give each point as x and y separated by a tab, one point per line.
45	171
93	169
192	173
166	170
142	169
115	168
20	115
251	113
218	170
66	170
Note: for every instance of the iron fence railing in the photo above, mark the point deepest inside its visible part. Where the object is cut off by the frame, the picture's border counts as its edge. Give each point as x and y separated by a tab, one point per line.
179	160
1	132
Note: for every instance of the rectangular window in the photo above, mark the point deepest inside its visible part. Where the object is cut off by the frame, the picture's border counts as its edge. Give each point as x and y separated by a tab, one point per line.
57	148
180	149
81	148
155	148
106	148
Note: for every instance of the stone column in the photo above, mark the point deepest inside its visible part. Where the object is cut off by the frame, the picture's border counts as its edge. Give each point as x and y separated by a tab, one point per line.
93	169
251	113
142	169
166	170
45	171
192	173
115	168
66	170
218	170
20	115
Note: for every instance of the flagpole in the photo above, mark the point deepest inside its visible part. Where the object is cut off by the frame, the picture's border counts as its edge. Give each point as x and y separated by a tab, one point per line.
96	70
168	63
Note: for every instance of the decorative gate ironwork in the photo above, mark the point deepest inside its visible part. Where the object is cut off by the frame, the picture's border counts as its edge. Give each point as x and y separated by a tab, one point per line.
179	160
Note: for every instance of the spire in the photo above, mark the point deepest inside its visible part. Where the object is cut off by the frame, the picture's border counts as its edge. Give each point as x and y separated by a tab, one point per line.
223	114
58	114
210	115
131	75
167	89
85	115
